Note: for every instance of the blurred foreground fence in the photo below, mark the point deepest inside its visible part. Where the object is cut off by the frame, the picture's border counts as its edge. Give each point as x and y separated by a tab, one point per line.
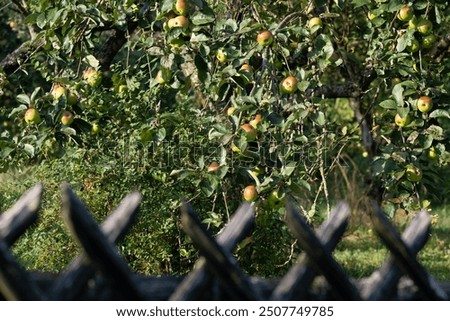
100	273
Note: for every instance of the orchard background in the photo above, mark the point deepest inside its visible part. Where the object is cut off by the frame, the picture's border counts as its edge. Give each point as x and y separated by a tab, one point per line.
316	101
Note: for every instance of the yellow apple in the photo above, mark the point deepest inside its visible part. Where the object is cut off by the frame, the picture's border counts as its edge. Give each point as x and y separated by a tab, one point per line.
265	38
67	118
250	132
32	116
57	91
250	193
405	13
402	122
181	7
178	22
289	85
424	104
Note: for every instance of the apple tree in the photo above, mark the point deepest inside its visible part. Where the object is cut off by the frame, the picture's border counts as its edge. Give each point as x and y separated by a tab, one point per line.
311	100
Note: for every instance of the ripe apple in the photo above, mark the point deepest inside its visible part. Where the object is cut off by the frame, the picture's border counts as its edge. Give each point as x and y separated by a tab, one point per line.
414	46
424	104
428	41
181	7
221	55
315	21
32	116
250	193
424	26
265	38
250	132
178	22
67	118
246	67
57	91
275	200
406	13
402	122
413	173
213	167
255	121
92	77
95	128
289	85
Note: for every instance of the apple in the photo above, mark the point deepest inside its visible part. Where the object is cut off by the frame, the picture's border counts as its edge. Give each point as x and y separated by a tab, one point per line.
315	21
32	116
412	23
250	193
231	110
213	167
72	98
424	26
92	77
402	122
67	118
432	153
414	46
406	13
275	200
424	104
288	85
428	41
95	128
178	22
413	174
371	15
246	67
57	91
181	7
265	38
160	77
122	88
221	55
250	132
255	121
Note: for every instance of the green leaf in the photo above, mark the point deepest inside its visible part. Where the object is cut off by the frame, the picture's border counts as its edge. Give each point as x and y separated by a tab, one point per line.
439	113
397	93
29	149
388	104
436	132
201	18
24	99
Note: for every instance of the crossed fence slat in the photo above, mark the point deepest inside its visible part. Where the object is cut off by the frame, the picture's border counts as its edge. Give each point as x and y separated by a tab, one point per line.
216	275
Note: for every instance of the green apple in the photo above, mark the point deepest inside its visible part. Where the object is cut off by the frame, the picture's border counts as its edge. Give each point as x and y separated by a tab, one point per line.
72	98
67	118
95	128
162	78
406	13
424	104
414	46
288	85
32	116
413	173
315	21
432	153
428	41
250	132
412	23
275	200
181	7
402	121
250	193
424	26
178	22
57	91
265	38
221	55
92	77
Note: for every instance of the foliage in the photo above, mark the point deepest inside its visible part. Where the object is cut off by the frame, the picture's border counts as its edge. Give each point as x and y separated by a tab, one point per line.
165	98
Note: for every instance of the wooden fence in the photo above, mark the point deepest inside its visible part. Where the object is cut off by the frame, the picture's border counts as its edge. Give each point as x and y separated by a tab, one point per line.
101	273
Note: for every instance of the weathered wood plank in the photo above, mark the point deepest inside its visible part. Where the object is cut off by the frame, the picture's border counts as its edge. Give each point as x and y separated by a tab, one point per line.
71	281
100	251
195	282
18	218
220	262
320	258
295	284
382	284
404	257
